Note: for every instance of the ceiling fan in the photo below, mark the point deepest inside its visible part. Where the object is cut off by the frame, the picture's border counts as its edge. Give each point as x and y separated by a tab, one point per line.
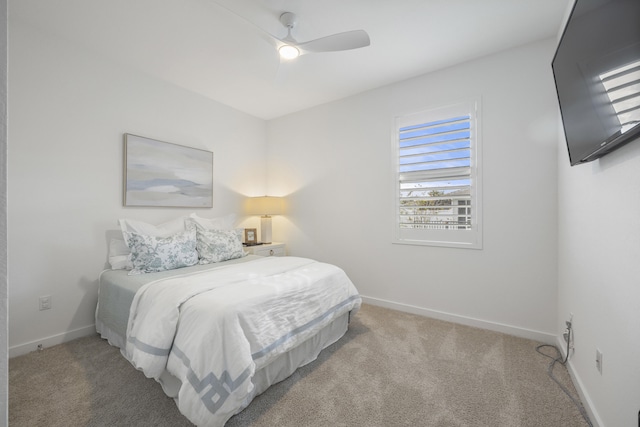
289	48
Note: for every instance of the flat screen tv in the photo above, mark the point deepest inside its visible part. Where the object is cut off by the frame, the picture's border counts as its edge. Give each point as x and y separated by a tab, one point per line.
597	74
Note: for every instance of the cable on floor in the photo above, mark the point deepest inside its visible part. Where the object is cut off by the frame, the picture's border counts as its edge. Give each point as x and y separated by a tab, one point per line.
554	360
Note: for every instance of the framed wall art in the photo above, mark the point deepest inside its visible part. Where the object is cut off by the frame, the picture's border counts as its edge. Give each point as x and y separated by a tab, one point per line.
163	174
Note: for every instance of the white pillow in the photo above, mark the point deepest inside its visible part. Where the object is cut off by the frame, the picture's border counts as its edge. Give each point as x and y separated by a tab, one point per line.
166	229
119	255
219	223
150	254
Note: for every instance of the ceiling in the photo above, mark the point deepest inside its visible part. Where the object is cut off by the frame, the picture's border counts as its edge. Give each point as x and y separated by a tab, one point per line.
213	48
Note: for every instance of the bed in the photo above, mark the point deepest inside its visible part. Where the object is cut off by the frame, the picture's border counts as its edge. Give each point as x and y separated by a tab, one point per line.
216	335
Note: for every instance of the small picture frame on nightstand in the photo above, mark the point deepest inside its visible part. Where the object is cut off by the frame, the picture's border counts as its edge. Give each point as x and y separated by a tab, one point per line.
250	236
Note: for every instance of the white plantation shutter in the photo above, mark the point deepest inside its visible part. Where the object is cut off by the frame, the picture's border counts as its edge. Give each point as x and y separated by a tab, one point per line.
437	182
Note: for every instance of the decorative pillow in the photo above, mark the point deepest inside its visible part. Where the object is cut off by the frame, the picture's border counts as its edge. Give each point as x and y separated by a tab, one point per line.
119	255
219	223
166	229
150	254
219	245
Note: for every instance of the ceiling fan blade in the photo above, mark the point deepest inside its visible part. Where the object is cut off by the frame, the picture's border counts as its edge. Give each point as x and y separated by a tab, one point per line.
265	35
342	41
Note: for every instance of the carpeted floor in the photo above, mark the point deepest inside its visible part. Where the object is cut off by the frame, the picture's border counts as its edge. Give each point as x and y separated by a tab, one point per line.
390	369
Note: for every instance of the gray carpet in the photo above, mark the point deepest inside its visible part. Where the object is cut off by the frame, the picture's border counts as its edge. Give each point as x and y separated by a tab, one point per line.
390	369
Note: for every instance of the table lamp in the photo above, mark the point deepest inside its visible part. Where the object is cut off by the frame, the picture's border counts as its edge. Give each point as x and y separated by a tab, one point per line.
265	206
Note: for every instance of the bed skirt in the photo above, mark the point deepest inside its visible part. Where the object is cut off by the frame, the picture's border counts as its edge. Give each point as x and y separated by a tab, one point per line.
279	369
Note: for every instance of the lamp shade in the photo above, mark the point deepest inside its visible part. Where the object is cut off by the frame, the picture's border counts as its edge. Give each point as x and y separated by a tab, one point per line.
265	205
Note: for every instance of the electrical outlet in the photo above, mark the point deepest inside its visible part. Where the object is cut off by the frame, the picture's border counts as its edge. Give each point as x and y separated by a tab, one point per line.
45	302
599	360
568	334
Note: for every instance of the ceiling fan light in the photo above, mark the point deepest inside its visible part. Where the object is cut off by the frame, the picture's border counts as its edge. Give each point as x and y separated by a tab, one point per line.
288	52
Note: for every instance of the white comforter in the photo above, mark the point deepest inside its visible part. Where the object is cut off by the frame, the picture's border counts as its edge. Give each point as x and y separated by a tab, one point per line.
214	329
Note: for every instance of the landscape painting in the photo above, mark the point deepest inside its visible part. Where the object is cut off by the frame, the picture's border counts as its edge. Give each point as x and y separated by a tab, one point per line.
162	174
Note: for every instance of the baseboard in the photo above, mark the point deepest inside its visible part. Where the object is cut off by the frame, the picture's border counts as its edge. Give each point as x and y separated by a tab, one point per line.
580	388
20	349
463	320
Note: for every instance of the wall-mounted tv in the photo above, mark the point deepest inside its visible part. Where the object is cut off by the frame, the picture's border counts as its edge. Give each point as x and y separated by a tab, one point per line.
597	74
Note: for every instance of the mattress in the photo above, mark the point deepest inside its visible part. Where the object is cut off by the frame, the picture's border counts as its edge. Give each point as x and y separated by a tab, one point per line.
118	291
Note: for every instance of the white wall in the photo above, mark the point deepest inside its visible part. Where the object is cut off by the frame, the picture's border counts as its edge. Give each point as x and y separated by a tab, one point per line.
4	306
334	164
68	112
599	271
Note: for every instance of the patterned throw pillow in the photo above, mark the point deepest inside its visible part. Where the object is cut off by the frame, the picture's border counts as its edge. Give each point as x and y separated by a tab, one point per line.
219	245
150	254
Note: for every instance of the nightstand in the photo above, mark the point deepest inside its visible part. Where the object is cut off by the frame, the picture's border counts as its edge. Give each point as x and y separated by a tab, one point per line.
270	249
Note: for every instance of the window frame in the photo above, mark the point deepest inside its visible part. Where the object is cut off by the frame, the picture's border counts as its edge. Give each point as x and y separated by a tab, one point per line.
469	239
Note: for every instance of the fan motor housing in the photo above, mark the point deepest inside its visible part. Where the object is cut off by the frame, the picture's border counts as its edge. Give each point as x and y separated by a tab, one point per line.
289	19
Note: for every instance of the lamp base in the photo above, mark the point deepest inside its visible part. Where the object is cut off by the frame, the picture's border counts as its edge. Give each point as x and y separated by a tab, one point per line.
265	229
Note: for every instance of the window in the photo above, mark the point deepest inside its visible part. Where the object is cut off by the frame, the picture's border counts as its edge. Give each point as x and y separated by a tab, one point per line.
437	182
